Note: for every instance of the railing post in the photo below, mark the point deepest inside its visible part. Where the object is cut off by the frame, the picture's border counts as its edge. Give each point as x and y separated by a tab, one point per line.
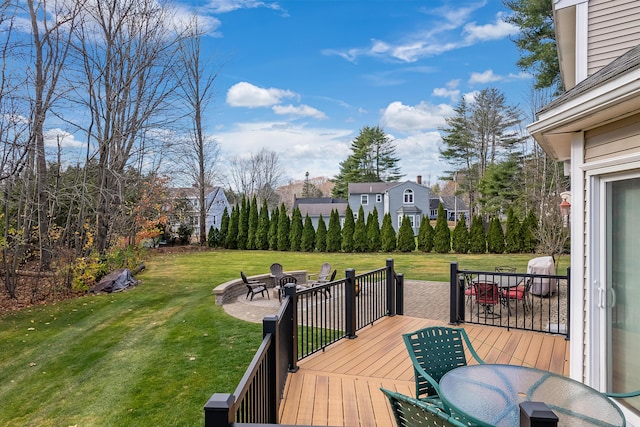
270	326
400	294
350	303
453	293
391	303
292	313
218	411
568	336
537	414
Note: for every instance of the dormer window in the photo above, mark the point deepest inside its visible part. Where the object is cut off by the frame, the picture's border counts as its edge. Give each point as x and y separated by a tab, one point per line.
408	197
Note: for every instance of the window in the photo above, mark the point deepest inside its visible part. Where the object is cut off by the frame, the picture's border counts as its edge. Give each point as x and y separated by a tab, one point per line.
408	196
378	198
400	221
364	199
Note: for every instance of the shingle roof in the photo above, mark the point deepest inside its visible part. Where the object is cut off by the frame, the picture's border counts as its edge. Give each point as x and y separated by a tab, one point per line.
617	67
316	201
315	209
370	187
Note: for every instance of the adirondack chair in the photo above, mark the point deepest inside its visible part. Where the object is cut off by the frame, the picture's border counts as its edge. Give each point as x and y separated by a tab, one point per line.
254	287
325	269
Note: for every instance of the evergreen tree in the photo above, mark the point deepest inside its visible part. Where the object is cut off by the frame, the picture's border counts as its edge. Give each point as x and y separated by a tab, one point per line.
321	235
373	160
442	234
360	243
273	229
425	235
460	239
253	224
213	237
224	228
262	233
243	224
477	236
528	233
495	237
308	242
406	239
373	231
347	230
232	232
513	243
334	233
387	234
284	228
295	235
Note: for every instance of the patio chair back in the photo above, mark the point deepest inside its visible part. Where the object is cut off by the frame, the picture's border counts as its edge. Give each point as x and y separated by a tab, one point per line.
434	351
410	412
325	269
487	293
276	271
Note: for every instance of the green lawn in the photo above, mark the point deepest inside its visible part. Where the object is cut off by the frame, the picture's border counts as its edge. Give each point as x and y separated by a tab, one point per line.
154	355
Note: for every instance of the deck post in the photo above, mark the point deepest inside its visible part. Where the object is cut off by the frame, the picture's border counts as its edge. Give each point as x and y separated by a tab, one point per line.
391	303
453	293
270	326
537	414
291	316
218	411
400	294
350	303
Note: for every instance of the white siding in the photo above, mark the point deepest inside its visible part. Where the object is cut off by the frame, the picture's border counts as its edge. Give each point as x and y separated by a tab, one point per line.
613	30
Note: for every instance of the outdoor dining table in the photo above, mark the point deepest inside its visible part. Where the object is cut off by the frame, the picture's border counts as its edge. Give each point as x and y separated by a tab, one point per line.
500	280
490	395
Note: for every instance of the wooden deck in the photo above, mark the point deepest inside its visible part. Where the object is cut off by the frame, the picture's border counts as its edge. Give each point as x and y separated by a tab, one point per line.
340	386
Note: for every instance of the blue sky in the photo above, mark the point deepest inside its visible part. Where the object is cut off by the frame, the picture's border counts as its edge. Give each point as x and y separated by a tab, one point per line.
303	77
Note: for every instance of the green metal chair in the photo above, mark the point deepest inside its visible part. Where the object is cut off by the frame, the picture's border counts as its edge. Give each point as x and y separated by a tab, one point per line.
434	351
410	412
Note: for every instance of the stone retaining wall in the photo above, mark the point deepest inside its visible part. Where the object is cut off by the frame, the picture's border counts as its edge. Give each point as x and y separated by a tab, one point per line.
229	292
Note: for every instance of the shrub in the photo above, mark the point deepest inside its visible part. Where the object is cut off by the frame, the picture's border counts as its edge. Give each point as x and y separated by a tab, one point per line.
373	231
406	239
347	230
442	234
477	236
460	240
360	243
387	234
321	235
334	235
495	237
425	235
513	241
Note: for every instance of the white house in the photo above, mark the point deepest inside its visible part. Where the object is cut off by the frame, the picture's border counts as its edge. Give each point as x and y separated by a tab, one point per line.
595	129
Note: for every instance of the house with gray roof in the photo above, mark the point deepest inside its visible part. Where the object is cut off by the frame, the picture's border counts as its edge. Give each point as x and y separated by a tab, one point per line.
453	206
316	206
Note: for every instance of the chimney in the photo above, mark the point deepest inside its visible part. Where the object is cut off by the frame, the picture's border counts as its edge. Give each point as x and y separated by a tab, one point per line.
419	179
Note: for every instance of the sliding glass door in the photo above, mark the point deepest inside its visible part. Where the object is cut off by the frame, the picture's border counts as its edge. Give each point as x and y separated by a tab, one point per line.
616	290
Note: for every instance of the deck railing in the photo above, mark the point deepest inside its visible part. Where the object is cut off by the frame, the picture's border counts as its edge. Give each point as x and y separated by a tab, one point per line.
308	321
534	302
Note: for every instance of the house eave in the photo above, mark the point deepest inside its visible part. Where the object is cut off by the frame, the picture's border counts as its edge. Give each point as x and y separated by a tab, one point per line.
616	99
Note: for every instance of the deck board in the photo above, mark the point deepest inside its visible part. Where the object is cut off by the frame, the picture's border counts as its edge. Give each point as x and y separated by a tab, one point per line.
341	386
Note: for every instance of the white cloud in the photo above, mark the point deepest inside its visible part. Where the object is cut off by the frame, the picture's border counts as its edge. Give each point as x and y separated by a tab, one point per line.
470	97
484	77
245	94
53	137
225	6
451	91
407	118
419	155
300	110
497	30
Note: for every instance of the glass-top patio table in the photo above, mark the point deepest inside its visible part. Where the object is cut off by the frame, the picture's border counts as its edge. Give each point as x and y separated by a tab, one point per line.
490	395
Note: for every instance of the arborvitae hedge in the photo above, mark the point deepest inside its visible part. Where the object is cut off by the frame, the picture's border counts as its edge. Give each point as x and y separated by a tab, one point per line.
425	235
308	242
243	225
273	229
495	237
512	240
224	228
231	241
321	235
528	233
442	236
460	239
213	237
262	233
373	231
360	243
334	234
253	224
295	235
406	239
284	227
477	236
387	234
347	230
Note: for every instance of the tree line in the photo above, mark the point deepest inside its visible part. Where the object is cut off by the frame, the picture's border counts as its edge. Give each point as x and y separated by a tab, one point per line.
249	227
